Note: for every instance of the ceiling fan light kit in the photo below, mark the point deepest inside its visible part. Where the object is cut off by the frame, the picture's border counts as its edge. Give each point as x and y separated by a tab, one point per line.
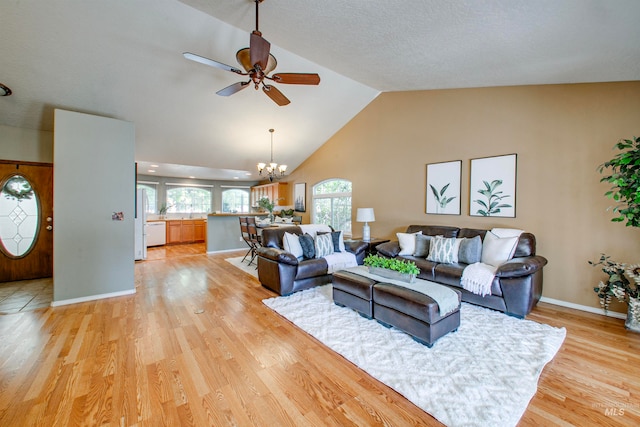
272	170
4	90
258	62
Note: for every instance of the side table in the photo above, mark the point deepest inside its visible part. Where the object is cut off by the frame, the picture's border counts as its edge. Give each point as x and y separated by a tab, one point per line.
371	244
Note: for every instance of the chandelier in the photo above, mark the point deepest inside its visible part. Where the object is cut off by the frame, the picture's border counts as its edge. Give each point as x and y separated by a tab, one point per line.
272	170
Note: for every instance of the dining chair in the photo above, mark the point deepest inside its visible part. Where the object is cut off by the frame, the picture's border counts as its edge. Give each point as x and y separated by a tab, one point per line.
254	237
244	230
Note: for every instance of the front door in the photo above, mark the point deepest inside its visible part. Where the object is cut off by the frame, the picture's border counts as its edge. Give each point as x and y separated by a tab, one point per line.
26	220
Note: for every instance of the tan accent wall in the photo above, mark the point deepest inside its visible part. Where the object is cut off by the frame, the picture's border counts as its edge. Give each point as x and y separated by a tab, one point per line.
561	133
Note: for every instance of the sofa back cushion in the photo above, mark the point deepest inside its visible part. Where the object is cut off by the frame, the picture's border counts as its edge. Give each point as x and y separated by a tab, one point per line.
273	237
435	230
526	244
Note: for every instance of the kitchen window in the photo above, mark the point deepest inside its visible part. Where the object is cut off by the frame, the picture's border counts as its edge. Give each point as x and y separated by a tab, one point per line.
192	198
332	204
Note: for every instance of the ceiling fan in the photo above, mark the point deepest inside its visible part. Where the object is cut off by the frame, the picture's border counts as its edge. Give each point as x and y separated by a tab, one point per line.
258	63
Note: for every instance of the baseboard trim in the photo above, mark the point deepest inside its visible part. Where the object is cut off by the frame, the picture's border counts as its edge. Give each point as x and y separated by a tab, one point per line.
580	307
92	298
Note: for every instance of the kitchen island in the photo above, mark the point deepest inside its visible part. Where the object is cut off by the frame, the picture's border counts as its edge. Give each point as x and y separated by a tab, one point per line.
223	232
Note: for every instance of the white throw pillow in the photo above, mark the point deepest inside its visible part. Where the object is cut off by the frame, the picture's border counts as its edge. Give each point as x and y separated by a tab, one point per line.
407	242
496	250
291	243
324	245
444	250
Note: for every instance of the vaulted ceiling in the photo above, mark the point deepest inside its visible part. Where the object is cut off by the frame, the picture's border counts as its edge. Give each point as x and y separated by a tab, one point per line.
123	59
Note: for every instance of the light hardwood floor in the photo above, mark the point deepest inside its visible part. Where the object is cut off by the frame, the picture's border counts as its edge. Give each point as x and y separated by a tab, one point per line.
153	359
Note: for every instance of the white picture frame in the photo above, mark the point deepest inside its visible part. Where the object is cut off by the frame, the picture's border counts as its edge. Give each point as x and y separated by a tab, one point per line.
443	188
492	186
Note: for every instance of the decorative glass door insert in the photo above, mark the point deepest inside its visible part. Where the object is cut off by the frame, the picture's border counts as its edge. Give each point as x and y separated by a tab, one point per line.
19	217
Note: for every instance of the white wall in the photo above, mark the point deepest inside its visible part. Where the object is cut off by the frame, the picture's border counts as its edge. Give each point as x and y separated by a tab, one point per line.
94	176
26	145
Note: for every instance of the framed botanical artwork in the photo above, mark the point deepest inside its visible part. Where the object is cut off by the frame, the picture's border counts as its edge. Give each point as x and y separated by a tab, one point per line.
300	197
443	187
492	189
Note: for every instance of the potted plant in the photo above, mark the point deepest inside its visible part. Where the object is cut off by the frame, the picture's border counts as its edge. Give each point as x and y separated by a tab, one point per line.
623	172
163	210
620	287
392	268
268	205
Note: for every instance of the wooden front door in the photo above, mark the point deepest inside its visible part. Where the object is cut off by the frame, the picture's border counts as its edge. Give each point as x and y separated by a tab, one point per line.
26	220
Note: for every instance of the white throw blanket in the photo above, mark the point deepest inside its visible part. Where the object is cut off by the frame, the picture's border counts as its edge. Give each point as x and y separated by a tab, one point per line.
339	261
477	278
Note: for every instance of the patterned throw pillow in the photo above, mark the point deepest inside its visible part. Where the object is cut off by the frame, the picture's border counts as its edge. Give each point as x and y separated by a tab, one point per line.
444	250
308	247
324	245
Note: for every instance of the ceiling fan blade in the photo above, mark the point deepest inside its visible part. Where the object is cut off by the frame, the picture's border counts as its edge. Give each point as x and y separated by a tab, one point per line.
296	78
259	50
210	62
277	96
230	90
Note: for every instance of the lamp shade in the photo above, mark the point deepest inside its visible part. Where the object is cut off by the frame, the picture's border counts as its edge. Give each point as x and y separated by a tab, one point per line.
365	215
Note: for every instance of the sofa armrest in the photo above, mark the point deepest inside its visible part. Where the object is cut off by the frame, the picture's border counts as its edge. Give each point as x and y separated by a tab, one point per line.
389	249
356	247
518	267
278	255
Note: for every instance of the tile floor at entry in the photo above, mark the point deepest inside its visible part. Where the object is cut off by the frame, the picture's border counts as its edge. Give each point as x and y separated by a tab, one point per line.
25	295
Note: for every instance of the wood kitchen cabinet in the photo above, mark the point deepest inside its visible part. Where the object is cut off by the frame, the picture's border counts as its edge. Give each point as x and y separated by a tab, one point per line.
174	231
273	191
186	231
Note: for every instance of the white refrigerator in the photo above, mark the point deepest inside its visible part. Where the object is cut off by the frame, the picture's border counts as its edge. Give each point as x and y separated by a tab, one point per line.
140	225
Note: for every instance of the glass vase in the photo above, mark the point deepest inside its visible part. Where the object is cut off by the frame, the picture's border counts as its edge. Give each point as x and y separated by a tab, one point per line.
633	315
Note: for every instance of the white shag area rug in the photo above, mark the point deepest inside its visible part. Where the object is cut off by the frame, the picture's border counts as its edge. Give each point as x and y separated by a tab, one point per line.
249	269
484	374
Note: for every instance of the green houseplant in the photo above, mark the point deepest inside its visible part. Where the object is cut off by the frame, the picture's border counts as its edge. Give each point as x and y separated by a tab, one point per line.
623	173
392	268
268	205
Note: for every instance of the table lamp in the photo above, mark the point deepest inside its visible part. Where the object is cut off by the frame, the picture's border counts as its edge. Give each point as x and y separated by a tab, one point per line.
365	215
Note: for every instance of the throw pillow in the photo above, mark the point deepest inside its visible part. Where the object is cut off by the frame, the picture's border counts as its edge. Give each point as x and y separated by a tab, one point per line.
338	241
291	243
470	250
496	250
407	242
444	249
423	244
323	245
308	247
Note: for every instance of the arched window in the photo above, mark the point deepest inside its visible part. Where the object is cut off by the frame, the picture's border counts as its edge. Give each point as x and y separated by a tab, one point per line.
188	199
332	204
152	195
235	200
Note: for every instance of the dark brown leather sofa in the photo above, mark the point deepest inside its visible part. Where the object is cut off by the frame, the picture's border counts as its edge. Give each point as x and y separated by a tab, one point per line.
283	273
516	288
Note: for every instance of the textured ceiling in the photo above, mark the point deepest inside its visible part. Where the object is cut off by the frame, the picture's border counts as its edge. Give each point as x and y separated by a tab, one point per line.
123	59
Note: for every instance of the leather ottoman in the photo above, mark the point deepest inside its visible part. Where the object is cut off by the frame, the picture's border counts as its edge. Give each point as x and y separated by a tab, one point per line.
413	312
353	291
